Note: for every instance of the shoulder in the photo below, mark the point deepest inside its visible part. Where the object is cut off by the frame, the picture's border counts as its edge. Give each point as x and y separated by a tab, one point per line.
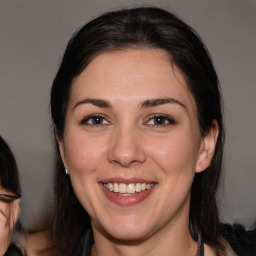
242	241
37	243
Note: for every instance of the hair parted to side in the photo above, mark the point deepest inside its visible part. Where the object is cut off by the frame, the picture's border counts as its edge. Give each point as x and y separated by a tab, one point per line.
144	27
9	175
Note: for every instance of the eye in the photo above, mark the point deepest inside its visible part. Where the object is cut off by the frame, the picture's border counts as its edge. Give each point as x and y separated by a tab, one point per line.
95	120
160	120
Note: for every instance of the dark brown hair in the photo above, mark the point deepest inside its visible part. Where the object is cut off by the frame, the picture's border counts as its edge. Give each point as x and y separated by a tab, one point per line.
141	28
9	175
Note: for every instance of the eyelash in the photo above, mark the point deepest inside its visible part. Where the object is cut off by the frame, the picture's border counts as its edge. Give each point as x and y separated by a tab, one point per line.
164	118
90	118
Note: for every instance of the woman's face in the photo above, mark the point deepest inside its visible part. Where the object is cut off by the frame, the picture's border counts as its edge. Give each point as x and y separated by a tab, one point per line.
132	143
9	214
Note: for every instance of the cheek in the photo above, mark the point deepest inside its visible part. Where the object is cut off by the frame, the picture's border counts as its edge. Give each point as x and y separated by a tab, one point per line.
84	153
175	154
3	209
9	212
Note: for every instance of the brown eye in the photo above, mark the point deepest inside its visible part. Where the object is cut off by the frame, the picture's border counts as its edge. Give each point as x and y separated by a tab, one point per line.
161	120
95	120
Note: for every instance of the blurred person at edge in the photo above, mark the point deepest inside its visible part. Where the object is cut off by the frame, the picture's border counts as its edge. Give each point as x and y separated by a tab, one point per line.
36	243
10	192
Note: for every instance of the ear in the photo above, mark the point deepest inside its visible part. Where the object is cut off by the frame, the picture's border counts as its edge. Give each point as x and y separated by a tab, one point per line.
207	147
61	146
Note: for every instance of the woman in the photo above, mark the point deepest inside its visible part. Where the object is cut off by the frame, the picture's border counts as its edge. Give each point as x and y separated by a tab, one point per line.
138	122
10	192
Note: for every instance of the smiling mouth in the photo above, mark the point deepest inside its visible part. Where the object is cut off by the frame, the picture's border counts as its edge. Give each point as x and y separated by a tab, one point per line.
127	189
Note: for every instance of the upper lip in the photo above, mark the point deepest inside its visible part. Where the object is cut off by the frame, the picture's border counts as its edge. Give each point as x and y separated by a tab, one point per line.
126	180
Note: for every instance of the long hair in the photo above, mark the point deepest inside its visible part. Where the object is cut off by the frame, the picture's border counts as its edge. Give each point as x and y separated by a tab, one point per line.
141	28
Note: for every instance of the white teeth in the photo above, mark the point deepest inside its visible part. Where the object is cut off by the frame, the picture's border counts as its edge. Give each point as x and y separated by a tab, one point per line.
110	186
116	188
122	188
148	186
126	189
138	187
130	189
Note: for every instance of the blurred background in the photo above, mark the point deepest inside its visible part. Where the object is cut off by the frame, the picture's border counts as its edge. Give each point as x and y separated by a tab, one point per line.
33	37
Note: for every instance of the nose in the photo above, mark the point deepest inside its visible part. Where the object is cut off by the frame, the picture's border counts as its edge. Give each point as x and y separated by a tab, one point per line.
126	148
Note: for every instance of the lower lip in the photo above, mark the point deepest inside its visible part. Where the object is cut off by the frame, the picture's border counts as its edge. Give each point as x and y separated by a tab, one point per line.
127	200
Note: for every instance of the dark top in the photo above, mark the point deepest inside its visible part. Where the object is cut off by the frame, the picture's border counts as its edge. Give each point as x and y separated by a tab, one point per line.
242	242
13	251
84	245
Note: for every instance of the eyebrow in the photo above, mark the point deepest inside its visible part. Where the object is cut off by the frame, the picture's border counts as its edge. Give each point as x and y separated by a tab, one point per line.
145	104
96	102
157	102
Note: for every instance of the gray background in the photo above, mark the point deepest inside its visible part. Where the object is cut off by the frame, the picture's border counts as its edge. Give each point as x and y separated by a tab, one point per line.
33	37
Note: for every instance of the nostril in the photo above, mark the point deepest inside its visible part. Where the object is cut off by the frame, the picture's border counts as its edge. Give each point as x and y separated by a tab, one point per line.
127	163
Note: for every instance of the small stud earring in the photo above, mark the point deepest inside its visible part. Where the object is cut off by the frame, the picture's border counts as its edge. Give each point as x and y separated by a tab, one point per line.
66	171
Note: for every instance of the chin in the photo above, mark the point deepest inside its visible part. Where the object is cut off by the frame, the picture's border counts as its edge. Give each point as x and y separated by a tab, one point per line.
128	231
128	237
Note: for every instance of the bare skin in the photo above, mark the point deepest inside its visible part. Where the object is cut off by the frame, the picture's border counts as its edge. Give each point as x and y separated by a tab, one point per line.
131	117
37	244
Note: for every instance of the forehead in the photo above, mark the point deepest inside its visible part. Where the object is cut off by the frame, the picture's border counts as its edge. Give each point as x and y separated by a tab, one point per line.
132	75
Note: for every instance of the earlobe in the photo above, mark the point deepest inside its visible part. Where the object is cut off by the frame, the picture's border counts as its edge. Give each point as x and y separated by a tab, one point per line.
207	147
61	146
